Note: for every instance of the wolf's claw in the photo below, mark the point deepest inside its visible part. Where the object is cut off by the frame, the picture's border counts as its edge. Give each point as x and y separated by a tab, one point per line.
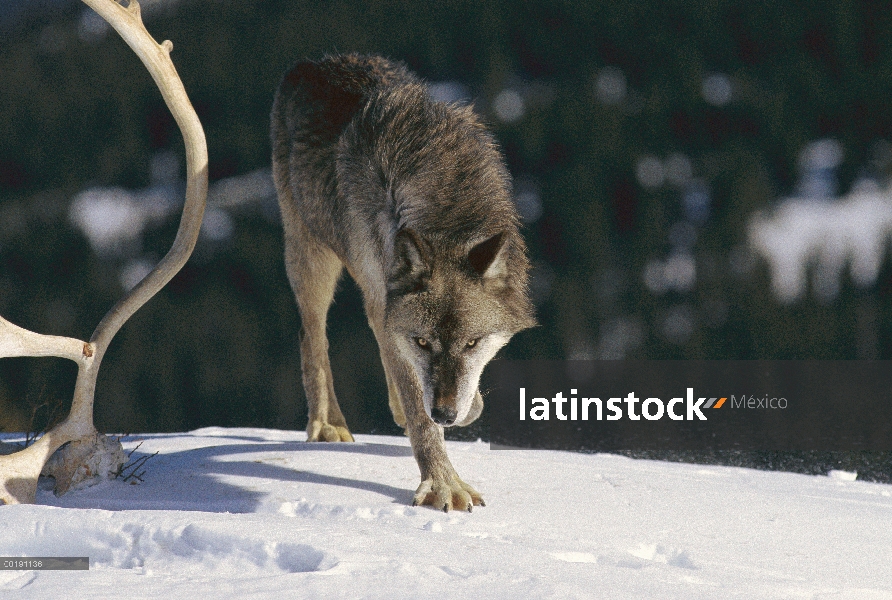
320	431
452	494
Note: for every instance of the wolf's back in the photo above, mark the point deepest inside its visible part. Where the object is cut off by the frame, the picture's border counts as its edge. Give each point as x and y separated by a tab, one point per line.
317	99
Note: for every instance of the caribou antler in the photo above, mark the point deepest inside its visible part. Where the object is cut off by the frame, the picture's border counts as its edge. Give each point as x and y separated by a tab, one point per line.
19	472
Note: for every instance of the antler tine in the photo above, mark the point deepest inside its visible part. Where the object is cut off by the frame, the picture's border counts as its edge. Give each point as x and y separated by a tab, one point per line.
19	472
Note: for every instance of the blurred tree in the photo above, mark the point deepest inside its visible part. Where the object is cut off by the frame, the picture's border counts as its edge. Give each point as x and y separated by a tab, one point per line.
642	136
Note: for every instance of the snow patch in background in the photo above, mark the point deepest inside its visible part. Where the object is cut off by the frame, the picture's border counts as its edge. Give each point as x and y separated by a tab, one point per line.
717	89
109	217
854	231
818	232
509	105
610	85
114	220
842	475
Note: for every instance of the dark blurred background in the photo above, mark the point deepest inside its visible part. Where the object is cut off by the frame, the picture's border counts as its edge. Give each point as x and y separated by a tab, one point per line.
698	179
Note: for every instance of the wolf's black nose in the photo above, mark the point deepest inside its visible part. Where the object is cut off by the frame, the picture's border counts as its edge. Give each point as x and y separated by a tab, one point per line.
443	415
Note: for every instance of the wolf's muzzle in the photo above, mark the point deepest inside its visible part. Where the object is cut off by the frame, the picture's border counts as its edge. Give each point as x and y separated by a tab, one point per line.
443	415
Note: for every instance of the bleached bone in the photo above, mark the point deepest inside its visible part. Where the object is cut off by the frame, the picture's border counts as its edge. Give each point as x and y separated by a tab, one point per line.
19	471
15	341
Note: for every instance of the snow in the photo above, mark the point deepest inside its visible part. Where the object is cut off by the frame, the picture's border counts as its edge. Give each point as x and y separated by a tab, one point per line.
113	217
825	234
253	513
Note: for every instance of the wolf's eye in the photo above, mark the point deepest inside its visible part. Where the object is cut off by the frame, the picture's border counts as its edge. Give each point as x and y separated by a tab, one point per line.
472	343
422	342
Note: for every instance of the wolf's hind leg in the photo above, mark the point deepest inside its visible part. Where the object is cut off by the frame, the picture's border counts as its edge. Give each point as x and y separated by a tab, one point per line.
313	271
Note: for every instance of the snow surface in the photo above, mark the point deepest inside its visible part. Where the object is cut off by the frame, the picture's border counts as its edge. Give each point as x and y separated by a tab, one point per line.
254	513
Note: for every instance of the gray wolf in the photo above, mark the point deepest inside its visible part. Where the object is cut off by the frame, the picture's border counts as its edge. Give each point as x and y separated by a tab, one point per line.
413	197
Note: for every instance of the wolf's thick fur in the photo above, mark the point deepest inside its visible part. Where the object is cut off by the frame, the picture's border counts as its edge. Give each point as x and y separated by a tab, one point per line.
413	197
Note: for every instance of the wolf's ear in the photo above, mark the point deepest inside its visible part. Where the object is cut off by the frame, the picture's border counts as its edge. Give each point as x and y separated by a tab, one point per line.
410	270
487	258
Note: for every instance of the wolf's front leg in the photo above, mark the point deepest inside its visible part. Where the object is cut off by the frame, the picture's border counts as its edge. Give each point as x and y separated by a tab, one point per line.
440	486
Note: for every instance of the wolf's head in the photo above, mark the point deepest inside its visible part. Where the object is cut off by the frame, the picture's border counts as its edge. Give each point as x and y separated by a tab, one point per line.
450	310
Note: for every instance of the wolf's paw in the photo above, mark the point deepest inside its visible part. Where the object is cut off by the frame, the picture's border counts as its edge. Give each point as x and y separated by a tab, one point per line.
447	495
320	431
